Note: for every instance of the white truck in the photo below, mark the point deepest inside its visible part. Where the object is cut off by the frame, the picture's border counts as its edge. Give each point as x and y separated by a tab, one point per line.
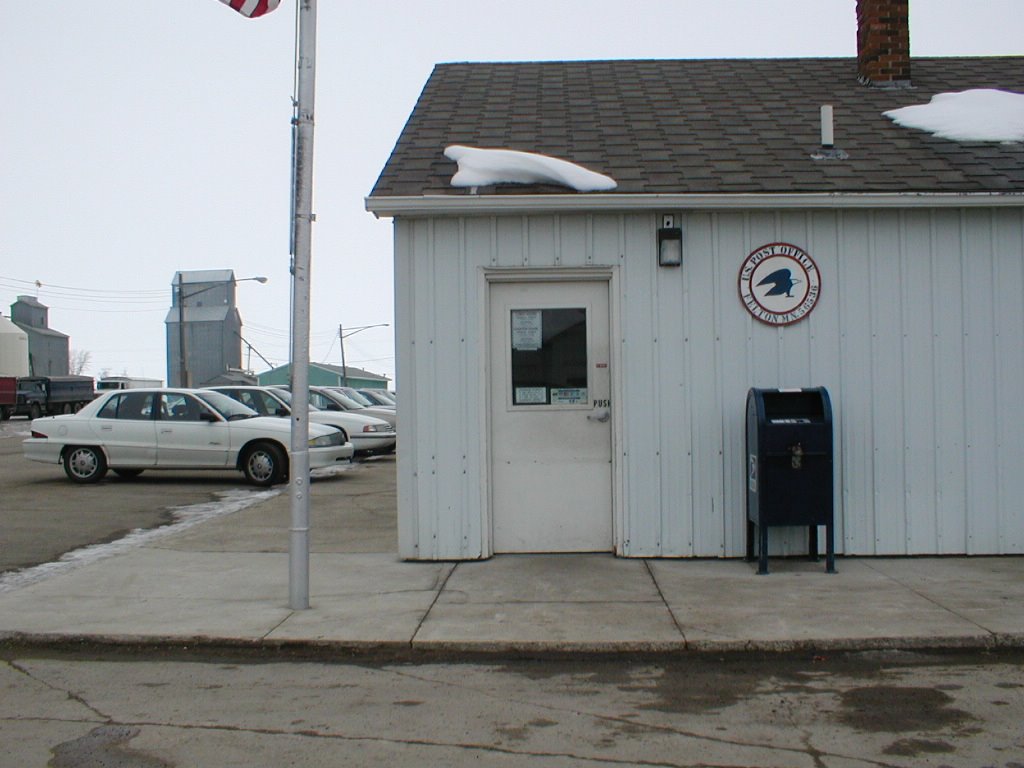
108	383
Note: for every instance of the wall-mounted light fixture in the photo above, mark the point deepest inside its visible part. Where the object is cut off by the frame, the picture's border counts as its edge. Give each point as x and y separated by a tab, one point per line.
670	242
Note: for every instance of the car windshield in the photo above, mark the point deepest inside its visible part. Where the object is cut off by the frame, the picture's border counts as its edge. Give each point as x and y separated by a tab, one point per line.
381	397
285	395
353	395
344	399
227	407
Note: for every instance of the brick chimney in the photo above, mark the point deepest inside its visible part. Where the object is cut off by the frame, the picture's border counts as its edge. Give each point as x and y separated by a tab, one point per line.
883	43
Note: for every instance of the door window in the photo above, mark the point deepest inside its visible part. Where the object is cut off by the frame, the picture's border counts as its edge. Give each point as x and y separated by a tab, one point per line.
180	407
549	356
129	406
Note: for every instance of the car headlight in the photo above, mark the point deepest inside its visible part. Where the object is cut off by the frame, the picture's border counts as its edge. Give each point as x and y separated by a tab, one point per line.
377	428
326	441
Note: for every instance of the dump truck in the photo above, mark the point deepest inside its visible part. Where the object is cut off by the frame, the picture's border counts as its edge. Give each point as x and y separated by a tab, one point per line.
50	395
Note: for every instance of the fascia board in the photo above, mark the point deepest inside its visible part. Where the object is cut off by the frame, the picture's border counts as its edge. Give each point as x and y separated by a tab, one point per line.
468	205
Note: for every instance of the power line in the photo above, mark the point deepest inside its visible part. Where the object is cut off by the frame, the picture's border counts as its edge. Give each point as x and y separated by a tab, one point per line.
90	293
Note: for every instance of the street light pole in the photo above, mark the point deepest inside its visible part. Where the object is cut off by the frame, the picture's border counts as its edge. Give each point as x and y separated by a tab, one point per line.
302	253
184	375
182	362
341	339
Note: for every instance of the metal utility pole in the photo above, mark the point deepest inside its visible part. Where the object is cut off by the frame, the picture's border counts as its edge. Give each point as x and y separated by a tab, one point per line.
302	241
344	368
341	340
183	360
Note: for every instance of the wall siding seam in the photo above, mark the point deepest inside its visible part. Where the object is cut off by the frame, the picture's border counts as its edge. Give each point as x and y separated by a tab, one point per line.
904	329
838	415
431	482
727	515
467	509
998	369
935	498
654	318
965	332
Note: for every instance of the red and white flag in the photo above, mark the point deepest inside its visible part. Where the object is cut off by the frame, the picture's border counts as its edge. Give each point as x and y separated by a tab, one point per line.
252	8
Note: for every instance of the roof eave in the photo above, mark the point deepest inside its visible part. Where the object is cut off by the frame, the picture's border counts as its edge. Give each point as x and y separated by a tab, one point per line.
456	205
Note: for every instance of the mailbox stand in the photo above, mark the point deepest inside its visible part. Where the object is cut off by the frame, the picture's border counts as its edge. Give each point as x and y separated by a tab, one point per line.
789	467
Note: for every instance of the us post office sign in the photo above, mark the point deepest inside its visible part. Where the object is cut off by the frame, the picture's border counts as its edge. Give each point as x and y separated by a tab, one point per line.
779	283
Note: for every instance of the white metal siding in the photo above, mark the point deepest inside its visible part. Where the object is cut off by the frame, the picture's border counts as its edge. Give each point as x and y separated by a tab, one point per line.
918	335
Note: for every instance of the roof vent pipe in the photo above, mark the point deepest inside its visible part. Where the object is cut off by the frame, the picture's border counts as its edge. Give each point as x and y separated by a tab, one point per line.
828	150
827	137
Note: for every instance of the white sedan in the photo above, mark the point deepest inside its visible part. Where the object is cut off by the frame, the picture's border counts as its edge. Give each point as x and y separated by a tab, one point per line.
367	434
129	431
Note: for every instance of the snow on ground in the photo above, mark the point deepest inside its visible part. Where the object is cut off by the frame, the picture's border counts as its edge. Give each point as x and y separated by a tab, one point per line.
227	503
15	428
982	114
484	167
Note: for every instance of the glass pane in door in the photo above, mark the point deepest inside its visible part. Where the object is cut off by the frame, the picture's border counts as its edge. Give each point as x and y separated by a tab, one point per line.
549	356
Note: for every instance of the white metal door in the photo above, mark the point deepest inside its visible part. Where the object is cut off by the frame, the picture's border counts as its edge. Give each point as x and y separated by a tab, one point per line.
550	426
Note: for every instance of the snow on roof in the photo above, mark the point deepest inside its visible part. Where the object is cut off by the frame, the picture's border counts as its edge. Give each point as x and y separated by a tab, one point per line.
483	167
981	114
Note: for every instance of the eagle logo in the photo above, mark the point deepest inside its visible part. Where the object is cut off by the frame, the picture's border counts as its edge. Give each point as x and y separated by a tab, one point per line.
779	283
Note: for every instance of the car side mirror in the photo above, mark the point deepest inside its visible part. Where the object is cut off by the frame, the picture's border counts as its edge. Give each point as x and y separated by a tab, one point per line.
207	416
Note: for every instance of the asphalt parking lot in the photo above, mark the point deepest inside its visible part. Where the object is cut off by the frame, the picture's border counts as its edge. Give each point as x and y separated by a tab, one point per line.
44	515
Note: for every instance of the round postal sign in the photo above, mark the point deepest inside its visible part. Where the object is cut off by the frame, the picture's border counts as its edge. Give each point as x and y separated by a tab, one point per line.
779	283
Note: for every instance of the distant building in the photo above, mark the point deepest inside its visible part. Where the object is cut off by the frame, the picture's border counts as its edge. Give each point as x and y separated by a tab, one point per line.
13	349
204	317
324	375
47	348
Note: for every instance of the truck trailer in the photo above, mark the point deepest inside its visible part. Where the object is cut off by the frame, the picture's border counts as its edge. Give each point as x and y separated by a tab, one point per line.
8	396
108	383
50	395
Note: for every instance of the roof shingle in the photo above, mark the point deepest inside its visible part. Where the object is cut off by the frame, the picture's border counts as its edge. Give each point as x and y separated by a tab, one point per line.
703	126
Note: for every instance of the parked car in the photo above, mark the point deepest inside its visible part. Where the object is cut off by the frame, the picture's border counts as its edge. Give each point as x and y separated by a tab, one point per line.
367	434
130	431
378	397
343	396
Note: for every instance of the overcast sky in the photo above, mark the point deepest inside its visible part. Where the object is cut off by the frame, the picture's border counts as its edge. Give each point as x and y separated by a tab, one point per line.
140	137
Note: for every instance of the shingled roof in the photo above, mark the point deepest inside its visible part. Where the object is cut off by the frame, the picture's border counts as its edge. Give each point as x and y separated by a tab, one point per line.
716	126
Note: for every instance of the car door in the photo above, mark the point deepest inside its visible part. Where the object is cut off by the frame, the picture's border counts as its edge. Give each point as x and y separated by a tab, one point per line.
126	429
190	434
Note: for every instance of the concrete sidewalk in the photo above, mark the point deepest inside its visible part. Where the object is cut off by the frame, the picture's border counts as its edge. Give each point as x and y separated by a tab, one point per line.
224	583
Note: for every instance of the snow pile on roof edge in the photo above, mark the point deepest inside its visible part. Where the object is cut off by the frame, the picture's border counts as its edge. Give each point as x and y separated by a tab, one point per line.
981	114
484	167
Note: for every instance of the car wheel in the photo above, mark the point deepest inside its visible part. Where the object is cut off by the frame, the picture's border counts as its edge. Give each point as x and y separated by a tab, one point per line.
264	464
127	474
85	464
34	411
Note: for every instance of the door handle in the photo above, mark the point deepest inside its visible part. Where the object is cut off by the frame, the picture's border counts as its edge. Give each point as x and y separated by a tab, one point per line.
599	414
